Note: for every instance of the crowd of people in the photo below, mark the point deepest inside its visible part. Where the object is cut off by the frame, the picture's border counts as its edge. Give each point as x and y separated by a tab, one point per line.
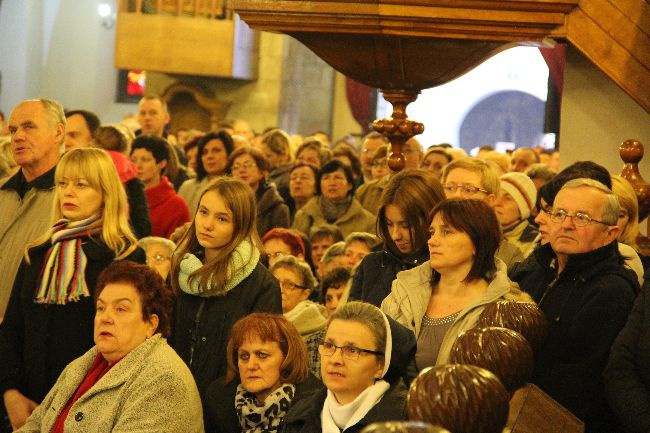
234	281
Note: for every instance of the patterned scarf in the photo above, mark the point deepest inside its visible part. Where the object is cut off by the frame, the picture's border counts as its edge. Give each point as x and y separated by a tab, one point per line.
256	418
62	277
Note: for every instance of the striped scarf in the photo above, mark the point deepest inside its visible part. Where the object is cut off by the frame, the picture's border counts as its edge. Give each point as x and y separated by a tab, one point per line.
62	277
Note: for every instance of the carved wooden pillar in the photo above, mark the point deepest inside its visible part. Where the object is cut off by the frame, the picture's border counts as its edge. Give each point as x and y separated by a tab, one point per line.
631	152
398	128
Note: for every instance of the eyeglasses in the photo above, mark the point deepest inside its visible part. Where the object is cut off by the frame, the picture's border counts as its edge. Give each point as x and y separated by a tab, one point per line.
465	188
349	352
276	254
580	219
158	258
247	164
380	163
290	286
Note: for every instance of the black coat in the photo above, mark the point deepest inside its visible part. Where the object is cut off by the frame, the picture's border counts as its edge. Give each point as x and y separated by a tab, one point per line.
305	415
37	341
627	376
219	406
586	307
138	209
202	324
374	277
271	210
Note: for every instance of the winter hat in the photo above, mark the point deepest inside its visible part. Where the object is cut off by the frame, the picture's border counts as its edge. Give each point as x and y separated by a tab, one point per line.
522	190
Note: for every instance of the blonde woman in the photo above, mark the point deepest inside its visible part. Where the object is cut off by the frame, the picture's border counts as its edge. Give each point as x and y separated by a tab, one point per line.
276	147
49	319
219	278
628	218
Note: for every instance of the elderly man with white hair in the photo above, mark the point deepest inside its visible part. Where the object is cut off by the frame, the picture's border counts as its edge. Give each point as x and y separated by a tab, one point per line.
581	284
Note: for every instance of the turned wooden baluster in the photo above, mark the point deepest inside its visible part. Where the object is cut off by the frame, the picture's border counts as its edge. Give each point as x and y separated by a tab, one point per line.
398	128
631	152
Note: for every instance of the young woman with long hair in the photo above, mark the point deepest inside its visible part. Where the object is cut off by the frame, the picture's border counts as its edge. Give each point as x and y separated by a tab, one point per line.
218	277
402	223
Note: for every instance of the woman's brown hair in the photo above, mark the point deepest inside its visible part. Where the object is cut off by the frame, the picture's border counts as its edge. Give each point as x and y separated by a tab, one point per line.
155	297
480	223
415	192
270	327
213	275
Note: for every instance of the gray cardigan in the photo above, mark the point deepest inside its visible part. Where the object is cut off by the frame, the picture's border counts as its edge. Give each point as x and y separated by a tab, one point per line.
149	390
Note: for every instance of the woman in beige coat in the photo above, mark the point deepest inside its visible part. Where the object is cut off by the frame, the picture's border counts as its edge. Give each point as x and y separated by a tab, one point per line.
444	296
334	203
131	380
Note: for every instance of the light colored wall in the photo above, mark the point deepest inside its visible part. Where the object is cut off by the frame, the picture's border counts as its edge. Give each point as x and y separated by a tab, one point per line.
597	116
58	49
342	121
21	47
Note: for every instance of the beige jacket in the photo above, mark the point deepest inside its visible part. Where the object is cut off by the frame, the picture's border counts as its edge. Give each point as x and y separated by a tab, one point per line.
355	219
21	221
369	194
409	297
149	390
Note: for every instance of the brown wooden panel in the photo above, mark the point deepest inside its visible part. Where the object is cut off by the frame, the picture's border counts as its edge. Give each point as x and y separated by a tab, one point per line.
198	46
619	27
533	411
611	57
637	11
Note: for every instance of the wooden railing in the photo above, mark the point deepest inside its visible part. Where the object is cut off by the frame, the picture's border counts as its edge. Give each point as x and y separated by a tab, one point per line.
211	9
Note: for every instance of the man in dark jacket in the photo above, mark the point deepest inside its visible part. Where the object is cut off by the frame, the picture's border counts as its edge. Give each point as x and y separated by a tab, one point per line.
582	286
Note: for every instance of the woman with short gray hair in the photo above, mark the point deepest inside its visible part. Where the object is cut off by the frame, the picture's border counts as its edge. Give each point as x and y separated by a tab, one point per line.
296	284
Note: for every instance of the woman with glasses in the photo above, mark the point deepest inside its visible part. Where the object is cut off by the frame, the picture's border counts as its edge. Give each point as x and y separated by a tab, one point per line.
219	278
278	243
334	203
356	354
159	253
251	167
445	295
296	284
267	374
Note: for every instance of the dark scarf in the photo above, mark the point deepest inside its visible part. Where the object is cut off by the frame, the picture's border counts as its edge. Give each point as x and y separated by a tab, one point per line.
256	418
333	210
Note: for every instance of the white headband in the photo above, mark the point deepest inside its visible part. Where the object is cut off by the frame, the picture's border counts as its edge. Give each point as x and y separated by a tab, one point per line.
389	345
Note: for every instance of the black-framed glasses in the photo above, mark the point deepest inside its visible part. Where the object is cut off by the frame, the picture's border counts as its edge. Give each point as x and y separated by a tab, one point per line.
290	286
465	188
349	352
580	219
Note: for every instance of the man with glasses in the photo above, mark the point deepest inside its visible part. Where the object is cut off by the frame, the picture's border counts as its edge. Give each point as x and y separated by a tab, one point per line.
472	178
586	293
